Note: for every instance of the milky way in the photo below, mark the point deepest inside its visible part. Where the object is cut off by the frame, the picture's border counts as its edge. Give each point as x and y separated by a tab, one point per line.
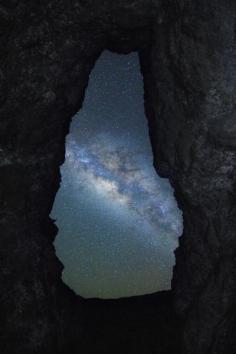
118	221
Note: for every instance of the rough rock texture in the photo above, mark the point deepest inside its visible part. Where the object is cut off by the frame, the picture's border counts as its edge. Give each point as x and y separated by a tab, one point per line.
190	88
188	57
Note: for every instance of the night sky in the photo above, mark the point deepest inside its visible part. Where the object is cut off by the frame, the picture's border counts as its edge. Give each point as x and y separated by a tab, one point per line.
118	221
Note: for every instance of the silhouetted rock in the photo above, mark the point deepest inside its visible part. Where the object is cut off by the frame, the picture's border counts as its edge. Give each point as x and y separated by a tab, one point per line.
188	58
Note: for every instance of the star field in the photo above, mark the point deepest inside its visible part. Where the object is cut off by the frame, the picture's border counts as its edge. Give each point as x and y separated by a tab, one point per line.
118	220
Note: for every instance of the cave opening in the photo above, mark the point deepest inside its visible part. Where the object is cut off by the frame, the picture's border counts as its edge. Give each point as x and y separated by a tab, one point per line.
118	220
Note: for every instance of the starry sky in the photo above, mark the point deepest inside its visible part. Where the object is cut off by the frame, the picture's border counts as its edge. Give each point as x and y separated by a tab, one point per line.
118	220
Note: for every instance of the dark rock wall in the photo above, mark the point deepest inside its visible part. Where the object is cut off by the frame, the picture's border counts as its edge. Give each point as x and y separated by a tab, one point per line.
48	49
190	88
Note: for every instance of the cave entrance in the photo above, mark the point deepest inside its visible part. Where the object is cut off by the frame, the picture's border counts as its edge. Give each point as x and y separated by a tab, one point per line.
118	220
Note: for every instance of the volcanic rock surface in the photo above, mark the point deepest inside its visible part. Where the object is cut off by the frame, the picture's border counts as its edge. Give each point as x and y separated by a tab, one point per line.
188	59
